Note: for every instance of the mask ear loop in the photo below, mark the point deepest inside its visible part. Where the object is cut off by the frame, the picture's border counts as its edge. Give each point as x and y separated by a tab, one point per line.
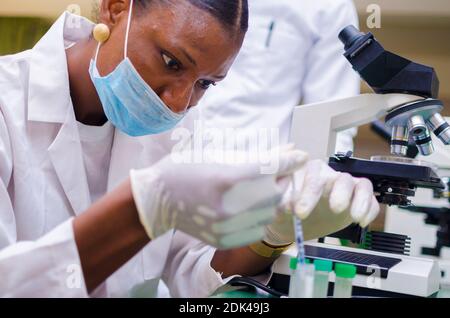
96	53
125	49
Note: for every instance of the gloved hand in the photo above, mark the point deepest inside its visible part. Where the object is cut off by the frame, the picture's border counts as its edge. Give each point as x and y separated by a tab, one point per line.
223	204
326	200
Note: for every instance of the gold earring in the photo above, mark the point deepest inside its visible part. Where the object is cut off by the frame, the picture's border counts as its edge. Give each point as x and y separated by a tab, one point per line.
101	32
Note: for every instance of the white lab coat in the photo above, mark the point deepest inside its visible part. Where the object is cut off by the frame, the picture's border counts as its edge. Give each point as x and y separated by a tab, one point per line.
300	60
43	186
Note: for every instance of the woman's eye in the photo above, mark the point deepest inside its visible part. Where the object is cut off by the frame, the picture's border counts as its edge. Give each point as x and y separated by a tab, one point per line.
171	63
206	84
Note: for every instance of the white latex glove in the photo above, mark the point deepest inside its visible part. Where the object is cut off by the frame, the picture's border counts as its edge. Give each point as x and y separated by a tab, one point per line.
317	180
223	204
318	190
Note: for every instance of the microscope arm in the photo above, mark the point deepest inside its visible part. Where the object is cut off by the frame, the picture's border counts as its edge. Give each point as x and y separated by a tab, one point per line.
314	126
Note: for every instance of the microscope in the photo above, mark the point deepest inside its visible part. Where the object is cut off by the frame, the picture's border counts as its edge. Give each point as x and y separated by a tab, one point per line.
406	96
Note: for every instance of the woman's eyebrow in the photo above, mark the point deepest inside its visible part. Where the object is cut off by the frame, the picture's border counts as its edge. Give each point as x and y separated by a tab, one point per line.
191	59
188	56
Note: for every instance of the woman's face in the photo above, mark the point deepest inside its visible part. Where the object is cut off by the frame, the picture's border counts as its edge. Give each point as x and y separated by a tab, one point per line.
177	48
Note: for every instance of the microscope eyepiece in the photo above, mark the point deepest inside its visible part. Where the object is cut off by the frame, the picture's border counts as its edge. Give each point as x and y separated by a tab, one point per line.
384	71
350	35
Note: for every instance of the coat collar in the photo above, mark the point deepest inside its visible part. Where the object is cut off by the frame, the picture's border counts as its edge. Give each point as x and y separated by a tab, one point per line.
49	94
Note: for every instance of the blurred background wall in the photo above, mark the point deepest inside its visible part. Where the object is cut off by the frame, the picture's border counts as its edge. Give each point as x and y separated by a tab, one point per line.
44	8
23	22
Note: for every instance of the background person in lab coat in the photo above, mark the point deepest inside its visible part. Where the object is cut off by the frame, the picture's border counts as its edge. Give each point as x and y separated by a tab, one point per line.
63	146
291	55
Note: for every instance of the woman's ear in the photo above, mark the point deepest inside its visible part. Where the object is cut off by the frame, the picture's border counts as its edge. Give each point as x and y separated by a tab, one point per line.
112	10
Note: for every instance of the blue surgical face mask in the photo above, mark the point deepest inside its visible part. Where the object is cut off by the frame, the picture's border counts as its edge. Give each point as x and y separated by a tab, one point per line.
130	104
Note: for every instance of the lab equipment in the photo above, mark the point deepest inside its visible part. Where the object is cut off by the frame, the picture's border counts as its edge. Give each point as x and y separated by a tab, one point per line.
321	278
394	179
429	218
406	146
439	217
387	242
374	240
302	281
406	95
300	286
344	280
300	241
293	266
378	274
388	73
298	228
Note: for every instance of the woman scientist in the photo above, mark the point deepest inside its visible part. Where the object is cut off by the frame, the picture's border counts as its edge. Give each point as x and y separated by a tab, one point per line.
74	223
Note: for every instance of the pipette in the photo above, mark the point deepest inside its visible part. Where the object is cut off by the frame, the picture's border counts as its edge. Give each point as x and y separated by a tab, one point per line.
301	257
302	280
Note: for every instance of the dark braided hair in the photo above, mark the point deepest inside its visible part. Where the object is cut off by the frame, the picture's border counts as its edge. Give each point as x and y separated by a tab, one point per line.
233	14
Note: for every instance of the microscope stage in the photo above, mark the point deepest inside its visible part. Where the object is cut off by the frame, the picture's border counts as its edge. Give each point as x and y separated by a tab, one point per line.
393	181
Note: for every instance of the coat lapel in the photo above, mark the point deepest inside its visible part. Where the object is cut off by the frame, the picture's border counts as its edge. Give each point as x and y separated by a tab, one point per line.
49	102
67	159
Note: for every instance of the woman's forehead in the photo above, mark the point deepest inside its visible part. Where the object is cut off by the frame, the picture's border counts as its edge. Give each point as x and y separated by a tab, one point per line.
190	30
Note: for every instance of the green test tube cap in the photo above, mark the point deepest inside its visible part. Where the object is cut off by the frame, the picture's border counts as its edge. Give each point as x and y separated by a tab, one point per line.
293	263
345	270
323	265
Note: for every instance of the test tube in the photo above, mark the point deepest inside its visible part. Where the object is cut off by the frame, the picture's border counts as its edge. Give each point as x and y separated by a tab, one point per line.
293	267
344	280
302	281
321	277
